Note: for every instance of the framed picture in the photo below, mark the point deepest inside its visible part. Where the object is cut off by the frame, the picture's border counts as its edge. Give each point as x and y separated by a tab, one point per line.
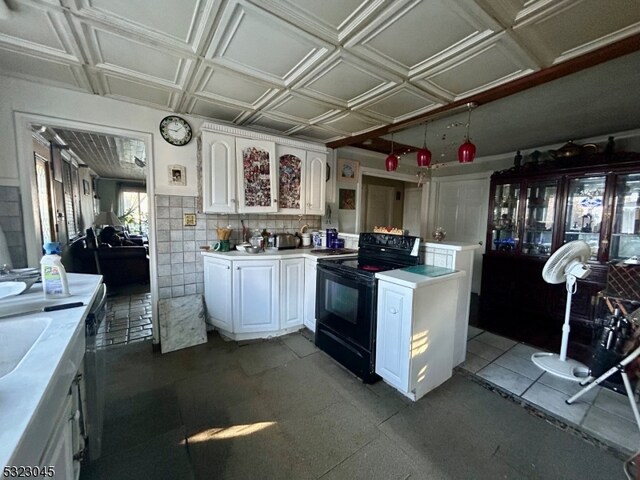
177	175
347	171
86	188
347	199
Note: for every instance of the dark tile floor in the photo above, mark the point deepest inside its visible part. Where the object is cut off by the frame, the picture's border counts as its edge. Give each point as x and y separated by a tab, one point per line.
282	409
128	316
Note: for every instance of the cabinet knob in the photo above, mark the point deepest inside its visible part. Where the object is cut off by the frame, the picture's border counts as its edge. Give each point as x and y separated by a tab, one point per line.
393	310
275	200
233	200
228	268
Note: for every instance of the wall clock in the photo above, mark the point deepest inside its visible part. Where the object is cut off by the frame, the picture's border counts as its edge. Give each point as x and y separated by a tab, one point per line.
175	130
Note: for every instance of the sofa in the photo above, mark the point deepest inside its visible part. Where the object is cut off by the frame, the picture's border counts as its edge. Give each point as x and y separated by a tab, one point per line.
120	265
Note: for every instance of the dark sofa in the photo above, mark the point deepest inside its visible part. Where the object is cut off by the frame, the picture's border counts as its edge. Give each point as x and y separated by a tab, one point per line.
122	265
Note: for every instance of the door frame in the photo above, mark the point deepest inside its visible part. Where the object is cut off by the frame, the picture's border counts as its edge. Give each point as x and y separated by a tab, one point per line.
26	167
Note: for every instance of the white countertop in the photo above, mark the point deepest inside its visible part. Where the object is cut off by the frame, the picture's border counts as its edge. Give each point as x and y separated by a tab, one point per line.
416	280
451	245
31	394
276	255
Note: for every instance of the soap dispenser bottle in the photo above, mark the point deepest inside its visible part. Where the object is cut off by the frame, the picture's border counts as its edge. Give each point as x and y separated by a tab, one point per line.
54	276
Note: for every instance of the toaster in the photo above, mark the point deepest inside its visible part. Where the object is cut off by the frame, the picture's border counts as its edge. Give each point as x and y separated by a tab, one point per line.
285	240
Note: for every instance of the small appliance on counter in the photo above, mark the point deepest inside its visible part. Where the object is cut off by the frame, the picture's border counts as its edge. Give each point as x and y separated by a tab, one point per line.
285	240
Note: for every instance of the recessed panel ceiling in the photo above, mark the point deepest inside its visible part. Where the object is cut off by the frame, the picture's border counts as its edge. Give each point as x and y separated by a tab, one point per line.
333	71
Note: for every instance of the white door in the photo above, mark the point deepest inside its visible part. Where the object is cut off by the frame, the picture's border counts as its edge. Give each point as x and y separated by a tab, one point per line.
256	300
316	183
291	292
461	209
411	211
379	207
218	173
217	292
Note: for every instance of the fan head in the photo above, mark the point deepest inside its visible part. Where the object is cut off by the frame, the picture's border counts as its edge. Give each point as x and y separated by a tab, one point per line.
570	259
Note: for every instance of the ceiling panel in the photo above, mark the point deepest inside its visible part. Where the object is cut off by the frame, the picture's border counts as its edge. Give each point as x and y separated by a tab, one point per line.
336	71
261	44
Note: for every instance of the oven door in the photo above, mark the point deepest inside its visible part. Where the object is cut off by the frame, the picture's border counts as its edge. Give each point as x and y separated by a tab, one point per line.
345	303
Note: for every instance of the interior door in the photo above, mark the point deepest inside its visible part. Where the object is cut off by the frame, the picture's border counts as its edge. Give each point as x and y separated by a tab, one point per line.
379	207
412	211
461	209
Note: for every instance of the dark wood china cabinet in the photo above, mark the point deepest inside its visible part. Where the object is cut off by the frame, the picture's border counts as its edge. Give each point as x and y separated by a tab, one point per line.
533	210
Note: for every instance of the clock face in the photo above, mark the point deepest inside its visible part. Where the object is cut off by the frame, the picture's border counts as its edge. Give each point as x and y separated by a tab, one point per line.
175	130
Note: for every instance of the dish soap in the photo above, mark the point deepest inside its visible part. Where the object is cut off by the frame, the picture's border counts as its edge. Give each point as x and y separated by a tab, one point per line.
54	276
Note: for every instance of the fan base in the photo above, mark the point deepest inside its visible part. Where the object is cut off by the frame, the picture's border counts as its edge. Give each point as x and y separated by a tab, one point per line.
568	369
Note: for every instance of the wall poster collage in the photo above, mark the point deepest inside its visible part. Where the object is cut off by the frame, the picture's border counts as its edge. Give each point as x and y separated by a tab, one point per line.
256	165
290	181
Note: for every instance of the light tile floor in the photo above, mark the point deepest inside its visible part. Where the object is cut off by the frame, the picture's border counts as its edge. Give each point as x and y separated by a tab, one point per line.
128	320
601	415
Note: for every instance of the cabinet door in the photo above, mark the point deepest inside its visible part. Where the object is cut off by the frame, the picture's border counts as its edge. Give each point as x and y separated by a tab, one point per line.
256	299
539	221
59	450
393	334
316	183
218	173
217	292
585	212
291	180
257	176
503	218
291	292
310	272
625	233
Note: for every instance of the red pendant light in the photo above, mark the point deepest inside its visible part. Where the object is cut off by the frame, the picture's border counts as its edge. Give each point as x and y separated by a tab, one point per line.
423	156
391	162
467	151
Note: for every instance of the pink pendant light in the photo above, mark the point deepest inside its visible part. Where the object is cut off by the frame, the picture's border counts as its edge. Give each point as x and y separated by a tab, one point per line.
391	162
423	156
467	151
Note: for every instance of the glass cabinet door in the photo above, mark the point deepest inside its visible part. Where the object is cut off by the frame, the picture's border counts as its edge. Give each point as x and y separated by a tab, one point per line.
625	233
584	211
539	218
505	217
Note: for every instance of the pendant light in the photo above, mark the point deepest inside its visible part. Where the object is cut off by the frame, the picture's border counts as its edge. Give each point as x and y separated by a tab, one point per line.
467	151
423	156
391	163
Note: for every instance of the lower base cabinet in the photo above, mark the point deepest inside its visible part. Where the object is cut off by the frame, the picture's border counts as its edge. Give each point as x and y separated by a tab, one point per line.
255	296
292	292
414	335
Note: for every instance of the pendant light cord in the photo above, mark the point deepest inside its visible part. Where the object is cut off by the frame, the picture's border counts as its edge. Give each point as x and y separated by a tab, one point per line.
468	120
424	143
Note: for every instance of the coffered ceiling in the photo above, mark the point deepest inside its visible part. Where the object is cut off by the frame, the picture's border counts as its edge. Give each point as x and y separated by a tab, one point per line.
333	71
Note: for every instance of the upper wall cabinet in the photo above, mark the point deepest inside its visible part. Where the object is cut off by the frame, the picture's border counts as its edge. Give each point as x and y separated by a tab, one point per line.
302	182
261	174
257	179
218	173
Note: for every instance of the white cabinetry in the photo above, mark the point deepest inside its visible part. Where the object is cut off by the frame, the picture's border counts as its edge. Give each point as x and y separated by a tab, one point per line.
218	173
414	333
255	296
257	176
315	183
240	173
217	295
59	450
310	270
292	275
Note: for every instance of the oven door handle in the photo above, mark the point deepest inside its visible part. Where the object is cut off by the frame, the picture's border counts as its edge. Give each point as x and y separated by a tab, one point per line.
342	275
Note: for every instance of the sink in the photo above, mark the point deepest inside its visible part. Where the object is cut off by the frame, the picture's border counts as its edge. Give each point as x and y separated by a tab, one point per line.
17	336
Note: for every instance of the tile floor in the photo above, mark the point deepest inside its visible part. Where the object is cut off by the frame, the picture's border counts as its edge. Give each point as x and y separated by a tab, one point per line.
128	319
282	409
601	415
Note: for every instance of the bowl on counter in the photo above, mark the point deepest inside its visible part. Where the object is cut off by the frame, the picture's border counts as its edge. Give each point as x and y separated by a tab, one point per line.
252	249
241	246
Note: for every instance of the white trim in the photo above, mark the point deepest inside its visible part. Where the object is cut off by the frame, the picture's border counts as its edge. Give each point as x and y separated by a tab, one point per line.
26	169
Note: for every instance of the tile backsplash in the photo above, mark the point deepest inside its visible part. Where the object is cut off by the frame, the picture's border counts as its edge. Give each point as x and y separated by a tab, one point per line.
180	265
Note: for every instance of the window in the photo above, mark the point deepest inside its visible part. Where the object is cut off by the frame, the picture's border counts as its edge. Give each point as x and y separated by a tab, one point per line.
134	209
42	184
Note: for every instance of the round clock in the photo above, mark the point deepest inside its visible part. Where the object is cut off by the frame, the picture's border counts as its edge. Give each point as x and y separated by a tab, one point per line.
175	130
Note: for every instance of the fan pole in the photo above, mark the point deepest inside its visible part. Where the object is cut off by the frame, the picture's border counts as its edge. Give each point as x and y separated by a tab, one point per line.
571	289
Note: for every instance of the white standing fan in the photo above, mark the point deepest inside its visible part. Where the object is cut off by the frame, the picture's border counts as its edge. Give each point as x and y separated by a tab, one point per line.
567	264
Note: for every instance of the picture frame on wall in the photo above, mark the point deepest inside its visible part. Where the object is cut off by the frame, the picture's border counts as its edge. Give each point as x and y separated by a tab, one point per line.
347	199
347	171
177	175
